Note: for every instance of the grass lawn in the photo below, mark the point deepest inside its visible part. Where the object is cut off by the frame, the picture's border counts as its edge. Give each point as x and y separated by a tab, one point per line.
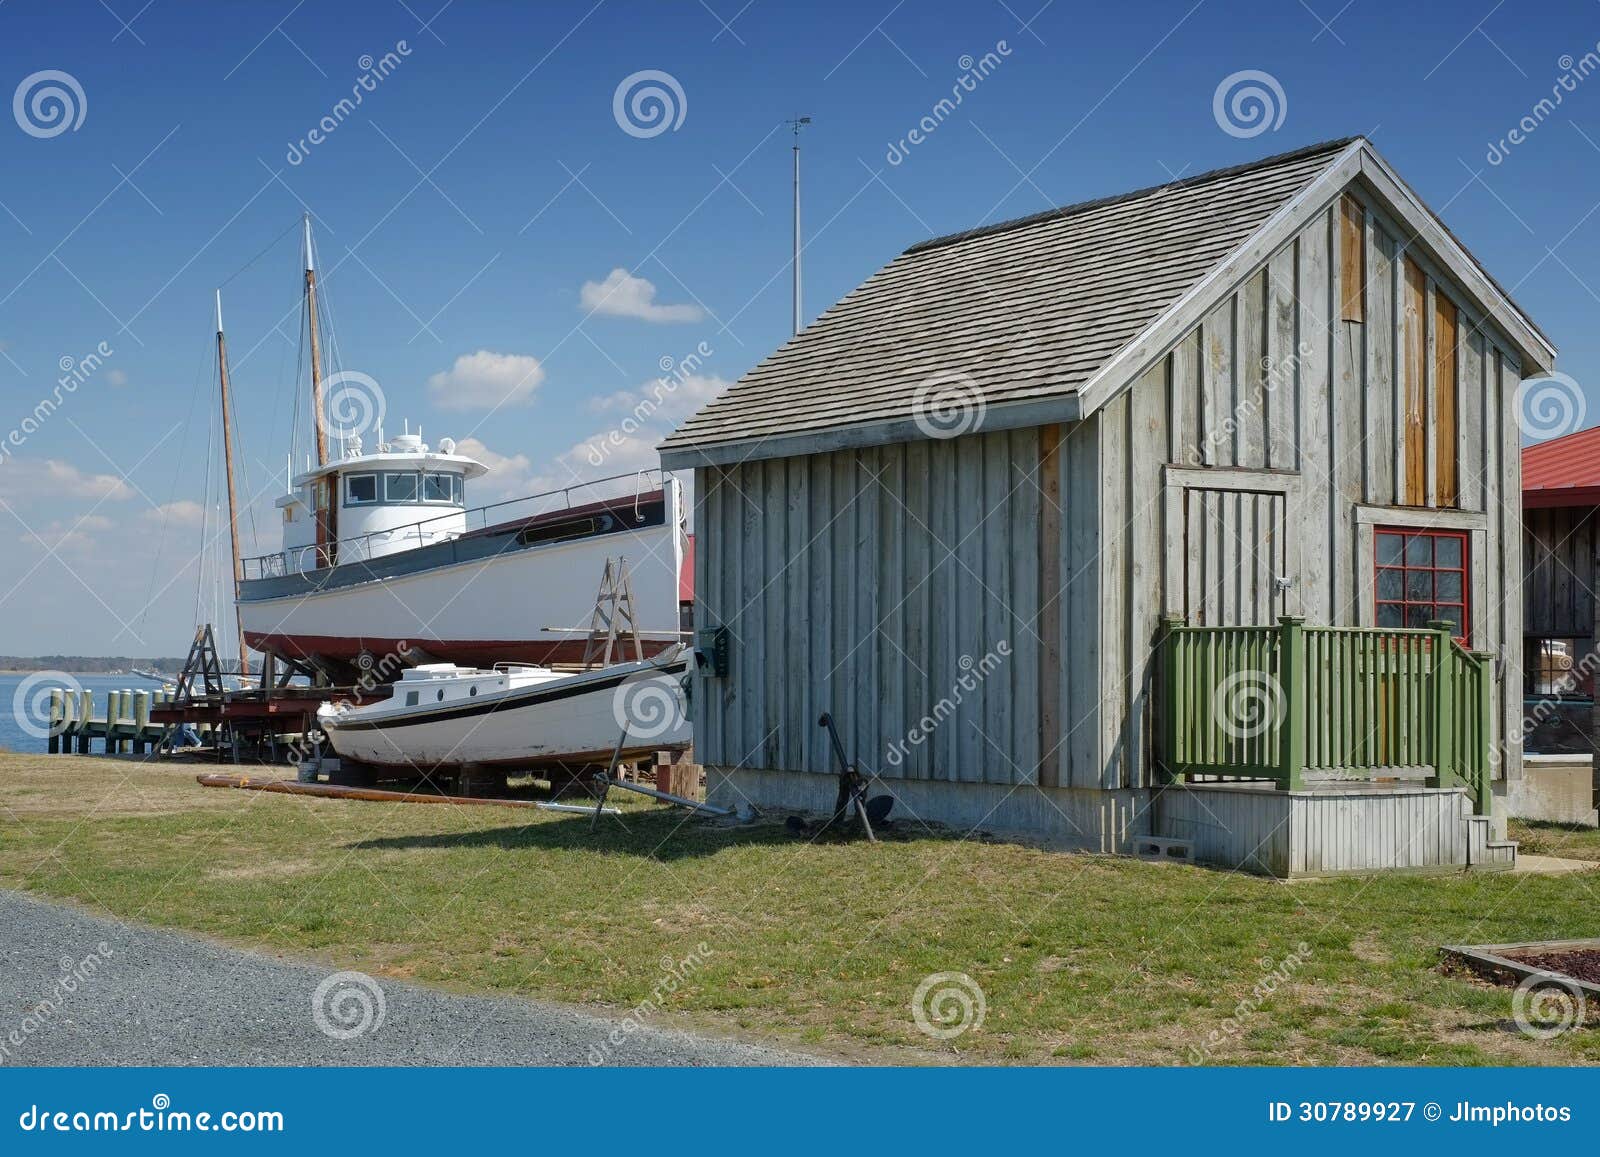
1080	959
1547	839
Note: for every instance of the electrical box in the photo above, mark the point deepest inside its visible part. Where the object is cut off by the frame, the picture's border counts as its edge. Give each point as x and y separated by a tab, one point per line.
714	645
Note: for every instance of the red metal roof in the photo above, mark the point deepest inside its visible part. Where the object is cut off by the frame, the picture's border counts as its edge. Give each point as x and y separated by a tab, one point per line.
1563	471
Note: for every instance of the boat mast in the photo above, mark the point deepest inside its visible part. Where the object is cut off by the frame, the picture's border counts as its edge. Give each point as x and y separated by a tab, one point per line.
233	504
316	352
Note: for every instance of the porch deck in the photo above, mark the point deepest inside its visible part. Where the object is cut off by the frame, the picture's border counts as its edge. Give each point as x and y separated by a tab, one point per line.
1290	702
1300	751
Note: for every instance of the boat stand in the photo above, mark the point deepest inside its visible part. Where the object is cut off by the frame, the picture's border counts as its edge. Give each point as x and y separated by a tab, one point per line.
608	780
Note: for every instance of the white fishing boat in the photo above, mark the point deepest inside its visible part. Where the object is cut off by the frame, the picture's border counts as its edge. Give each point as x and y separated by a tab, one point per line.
384	564
439	716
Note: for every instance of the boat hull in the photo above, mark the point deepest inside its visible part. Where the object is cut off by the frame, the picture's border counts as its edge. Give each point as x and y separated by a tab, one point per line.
481	600
576	720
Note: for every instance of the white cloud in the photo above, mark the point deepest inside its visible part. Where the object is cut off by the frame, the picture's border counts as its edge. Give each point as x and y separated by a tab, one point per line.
623	295
51	477
510	475
182	512
79	535
663	401
485	380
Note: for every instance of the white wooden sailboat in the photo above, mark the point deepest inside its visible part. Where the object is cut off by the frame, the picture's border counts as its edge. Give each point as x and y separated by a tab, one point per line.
440	717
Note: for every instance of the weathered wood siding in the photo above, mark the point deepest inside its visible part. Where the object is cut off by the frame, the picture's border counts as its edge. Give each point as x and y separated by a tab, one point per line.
1559	545
1323	376
898	588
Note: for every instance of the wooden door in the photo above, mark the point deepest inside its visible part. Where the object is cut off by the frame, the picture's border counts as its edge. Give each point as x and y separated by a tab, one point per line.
327	520
1235	545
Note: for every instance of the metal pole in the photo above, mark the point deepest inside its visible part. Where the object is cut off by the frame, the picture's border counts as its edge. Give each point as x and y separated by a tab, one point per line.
797	228
796	125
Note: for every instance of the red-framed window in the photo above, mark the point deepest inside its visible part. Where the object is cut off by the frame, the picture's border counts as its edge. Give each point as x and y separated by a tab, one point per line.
1422	576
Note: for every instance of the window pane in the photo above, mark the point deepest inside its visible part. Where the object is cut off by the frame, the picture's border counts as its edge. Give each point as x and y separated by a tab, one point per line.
1447	585
361	488
1418	616
1389	549
400	487
1419	550
1391	584
1419	586
1447	552
1451	615
436	487
1389	615
459	487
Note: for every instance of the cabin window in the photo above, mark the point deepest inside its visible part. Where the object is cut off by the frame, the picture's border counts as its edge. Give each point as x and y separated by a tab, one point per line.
360	489
411	698
458	489
399	487
1422	576
557	531
1558	668
436	488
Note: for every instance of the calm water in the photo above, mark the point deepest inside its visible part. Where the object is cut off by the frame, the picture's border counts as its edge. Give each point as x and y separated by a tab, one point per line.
25	703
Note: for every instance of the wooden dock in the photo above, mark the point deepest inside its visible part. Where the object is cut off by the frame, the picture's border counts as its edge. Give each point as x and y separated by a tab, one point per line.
123	724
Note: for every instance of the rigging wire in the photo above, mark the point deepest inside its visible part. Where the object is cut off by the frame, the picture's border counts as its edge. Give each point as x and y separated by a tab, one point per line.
257	257
180	461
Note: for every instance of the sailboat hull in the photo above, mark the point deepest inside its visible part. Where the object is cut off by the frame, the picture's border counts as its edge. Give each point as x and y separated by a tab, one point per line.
565	721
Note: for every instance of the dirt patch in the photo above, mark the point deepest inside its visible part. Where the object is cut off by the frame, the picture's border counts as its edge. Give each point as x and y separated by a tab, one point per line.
1578	963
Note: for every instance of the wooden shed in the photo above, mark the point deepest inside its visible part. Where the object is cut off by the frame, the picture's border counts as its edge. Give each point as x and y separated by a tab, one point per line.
1561	618
1187	515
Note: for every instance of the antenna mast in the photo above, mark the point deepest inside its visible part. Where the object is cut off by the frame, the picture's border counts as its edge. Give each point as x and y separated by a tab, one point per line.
316	352
796	125
233	503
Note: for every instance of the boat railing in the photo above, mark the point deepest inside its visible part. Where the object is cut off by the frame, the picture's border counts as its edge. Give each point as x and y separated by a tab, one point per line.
450	525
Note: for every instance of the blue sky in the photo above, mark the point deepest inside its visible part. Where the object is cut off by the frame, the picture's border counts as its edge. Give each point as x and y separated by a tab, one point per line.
479	186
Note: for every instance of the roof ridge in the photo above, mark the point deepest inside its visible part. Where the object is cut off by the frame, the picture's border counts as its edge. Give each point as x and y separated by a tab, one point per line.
1099	202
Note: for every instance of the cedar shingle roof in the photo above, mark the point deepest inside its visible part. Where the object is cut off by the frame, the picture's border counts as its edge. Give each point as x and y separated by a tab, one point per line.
1027	309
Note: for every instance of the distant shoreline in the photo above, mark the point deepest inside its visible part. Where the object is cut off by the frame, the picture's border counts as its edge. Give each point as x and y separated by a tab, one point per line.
71	671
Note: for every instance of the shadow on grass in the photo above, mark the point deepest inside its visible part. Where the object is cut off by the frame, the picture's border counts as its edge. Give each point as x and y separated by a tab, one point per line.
660	835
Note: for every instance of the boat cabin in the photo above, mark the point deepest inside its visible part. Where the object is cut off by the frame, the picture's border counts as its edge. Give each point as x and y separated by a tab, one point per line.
1179	522
365	506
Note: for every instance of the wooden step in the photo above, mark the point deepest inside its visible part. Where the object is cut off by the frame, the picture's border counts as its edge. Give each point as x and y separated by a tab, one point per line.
1502	853
1484	852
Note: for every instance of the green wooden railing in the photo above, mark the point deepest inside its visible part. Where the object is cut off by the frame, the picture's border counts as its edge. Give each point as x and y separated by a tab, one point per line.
1271	702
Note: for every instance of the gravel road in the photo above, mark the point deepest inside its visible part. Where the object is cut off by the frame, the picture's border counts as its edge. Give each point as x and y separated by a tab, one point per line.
77	989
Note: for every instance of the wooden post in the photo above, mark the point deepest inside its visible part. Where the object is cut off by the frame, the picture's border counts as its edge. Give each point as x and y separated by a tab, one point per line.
58	720
69	723
1292	682
141	720
1167	700
85	713
1483	789
1444	705
111	722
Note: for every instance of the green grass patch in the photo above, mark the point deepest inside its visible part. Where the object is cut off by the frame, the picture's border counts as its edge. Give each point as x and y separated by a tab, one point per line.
1080	959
